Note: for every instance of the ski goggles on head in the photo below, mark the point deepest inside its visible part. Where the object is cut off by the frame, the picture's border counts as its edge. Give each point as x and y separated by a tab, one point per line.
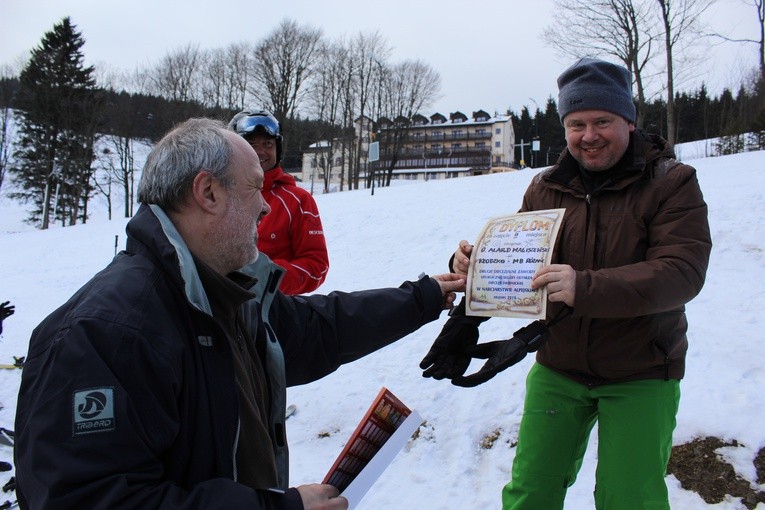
250	123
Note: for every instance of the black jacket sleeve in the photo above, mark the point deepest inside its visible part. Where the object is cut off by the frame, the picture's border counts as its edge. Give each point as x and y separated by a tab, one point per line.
320	333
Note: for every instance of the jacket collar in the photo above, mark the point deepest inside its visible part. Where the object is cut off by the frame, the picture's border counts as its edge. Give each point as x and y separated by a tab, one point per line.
277	176
152	231
642	152
195	292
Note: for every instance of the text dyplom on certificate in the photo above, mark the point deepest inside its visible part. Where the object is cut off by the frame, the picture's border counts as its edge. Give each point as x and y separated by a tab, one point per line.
509	250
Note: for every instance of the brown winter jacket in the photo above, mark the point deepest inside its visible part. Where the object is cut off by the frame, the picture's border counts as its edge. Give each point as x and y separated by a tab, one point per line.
640	245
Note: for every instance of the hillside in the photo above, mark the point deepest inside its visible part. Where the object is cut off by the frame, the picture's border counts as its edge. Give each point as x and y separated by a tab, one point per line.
463	453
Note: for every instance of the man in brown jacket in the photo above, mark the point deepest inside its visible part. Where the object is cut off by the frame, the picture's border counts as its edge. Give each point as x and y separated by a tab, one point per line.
633	250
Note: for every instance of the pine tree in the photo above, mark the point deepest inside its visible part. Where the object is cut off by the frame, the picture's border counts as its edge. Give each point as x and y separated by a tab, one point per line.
525	133
551	133
59	109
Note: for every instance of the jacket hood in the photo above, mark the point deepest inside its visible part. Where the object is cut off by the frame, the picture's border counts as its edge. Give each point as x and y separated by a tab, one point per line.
658	146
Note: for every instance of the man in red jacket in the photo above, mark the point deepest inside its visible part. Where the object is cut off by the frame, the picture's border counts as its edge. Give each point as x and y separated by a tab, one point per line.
291	235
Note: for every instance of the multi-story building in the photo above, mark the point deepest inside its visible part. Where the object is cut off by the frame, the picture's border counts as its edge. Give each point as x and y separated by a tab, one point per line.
421	148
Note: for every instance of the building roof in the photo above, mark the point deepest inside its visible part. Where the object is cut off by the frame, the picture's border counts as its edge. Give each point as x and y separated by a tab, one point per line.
481	115
418	119
437	118
467	122
457	117
321	144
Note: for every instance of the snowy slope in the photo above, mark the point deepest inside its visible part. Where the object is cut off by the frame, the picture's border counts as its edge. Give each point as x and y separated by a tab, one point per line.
400	232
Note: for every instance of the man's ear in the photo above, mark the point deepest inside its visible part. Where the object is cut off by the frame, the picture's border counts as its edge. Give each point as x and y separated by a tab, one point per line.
206	192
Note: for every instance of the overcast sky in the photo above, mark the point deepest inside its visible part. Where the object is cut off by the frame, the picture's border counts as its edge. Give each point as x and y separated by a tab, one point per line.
489	53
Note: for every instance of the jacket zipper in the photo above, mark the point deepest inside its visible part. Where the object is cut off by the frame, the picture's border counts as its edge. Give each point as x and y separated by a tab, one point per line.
240	346
588	201
236	447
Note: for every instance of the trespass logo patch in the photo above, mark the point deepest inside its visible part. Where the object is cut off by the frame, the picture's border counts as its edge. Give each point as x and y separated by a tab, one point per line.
93	411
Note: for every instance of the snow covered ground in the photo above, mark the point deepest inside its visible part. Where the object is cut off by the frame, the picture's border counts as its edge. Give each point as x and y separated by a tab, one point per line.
400	232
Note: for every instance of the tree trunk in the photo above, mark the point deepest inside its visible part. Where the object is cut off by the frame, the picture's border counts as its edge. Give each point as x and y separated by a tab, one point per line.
665	14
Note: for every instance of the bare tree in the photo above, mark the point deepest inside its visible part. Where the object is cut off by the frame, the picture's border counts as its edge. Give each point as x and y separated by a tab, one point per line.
619	28
282	65
6	137
238	62
352	84
224	76
177	75
331	83
760	6
348	114
103	177
681	23
369	53
213	77
7	132
759	82
108	77
121	168
139	81
410	86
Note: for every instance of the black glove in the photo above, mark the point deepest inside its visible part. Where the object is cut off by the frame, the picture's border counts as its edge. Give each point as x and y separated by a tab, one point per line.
503	353
448	356
5	310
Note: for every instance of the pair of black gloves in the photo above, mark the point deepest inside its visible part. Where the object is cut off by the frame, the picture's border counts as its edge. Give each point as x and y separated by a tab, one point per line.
457	345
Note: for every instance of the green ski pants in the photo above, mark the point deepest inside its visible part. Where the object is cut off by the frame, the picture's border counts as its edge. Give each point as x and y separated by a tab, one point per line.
635	424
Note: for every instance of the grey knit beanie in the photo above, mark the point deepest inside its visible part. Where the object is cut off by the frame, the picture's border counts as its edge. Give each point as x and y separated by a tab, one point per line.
592	84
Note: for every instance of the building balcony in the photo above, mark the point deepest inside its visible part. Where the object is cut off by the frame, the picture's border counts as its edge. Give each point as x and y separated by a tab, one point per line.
432	160
431	152
429	137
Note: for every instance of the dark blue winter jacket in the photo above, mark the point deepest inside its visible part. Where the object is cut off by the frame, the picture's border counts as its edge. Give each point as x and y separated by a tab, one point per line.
128	398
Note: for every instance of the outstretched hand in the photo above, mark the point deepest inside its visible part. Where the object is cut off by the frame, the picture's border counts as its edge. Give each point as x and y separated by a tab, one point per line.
450	284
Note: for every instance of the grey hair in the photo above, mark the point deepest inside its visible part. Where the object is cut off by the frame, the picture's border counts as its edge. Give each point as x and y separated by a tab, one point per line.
191	147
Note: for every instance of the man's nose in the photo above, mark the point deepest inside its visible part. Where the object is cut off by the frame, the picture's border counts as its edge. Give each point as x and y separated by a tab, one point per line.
590	132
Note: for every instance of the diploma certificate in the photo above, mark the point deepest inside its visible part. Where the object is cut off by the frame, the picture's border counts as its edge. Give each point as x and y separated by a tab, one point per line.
509	250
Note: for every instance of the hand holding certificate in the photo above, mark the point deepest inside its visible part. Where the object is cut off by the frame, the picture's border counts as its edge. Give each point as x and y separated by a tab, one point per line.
507	253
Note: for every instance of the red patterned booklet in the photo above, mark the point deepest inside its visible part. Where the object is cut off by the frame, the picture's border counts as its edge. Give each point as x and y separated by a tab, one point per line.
383	431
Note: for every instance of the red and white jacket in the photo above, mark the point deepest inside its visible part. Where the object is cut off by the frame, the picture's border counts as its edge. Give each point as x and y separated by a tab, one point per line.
292	235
